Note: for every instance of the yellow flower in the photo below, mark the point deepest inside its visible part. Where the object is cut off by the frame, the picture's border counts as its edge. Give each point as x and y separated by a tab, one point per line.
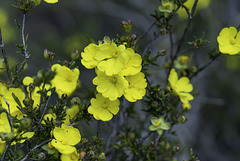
102	108
51	1
113	58
88	56
65	81
167	7
65	139
136	89
189	3
229	41
110	87
181	62
180	87
159	125
7	95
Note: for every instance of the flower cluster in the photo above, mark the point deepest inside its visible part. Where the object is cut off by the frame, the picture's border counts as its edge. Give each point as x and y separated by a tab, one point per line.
180	87
118	72
13	101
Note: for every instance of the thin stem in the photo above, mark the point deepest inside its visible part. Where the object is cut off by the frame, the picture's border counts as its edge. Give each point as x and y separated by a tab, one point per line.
190	15
26	55
5	58
45	108
170	39
206	65
146	33
37	146
180	43
23	36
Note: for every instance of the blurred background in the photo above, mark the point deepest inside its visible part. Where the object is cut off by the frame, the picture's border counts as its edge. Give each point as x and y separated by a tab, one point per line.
213	126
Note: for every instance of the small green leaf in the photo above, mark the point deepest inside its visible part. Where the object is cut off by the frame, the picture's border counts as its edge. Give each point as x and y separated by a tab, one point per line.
16	100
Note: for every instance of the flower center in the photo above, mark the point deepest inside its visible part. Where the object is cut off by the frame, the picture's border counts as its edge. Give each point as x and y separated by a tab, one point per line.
183	60
115	54
130	85
113	79
158	124
69	78
104	105
64	141
166	5
233	41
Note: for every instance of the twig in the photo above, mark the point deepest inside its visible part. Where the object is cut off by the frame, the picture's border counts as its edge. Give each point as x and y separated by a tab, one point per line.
37	146
190	15
146	33
170	39
206	65
5	58
45	108
26	55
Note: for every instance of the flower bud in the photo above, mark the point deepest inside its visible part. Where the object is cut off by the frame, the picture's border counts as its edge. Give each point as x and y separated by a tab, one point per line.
28	102
41	156
65	62
31	87
177	148
75	101
75	55
25	123
48	55
167	146
91	153
134	37
37	81
154	104
162	52
194	69
84	140
7	136
102	157
127	25
82	155
182	119
2	64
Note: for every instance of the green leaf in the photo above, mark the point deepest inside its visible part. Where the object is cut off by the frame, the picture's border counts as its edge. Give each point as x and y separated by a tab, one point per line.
18	25
16	100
